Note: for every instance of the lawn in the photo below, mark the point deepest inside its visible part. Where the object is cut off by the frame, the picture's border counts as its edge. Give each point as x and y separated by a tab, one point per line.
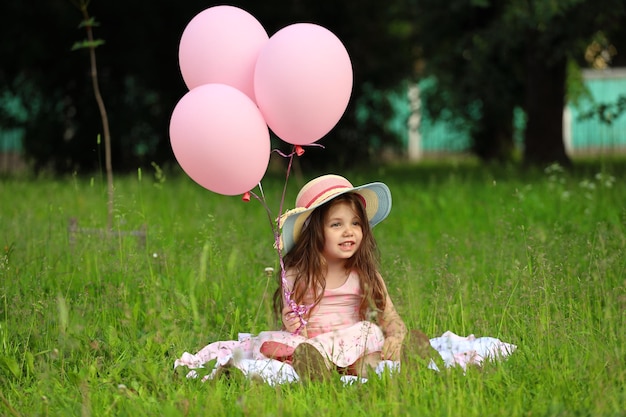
91	323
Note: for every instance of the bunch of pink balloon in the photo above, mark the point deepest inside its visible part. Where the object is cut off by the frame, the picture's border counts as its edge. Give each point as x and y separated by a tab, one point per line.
243	83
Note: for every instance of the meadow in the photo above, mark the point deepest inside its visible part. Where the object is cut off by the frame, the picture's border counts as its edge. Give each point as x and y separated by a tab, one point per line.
91	323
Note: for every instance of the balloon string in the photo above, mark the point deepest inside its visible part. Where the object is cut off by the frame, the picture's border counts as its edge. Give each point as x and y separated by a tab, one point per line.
297	150
299	309
284	155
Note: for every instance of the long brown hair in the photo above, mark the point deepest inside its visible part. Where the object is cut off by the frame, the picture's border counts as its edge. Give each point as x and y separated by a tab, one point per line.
306	261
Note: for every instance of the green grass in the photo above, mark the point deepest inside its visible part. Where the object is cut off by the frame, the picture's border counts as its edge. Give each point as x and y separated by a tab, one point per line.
93	326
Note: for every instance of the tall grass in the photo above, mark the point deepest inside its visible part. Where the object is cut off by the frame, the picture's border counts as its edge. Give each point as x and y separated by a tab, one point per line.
92	325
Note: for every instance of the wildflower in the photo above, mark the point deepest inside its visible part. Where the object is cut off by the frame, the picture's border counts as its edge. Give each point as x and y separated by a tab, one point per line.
605	180
553	169
587	185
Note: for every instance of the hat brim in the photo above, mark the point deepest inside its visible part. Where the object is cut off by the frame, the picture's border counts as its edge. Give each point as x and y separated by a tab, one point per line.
377	198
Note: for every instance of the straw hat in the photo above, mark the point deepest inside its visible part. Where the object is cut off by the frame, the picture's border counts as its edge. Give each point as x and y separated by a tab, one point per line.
376	196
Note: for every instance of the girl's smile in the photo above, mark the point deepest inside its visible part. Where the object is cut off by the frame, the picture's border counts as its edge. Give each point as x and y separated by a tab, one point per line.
342	232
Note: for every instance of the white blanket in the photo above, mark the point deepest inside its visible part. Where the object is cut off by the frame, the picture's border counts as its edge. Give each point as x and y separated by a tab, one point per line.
454	350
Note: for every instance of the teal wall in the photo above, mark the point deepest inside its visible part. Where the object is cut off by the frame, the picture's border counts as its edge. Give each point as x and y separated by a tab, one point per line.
12	106
11	140
592	134
436	136
584	135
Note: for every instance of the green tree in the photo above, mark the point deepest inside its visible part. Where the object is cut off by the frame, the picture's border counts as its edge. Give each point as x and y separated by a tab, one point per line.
491	56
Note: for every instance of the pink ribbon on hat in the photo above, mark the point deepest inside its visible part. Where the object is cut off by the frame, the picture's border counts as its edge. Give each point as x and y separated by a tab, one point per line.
307	205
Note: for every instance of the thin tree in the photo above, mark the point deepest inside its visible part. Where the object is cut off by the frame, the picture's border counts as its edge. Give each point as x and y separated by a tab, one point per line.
88	23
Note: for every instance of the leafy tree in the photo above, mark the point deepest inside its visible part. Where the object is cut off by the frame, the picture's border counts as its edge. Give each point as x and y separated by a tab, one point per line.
490	56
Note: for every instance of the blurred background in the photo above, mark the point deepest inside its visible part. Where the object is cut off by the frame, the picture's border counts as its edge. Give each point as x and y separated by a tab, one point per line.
530	81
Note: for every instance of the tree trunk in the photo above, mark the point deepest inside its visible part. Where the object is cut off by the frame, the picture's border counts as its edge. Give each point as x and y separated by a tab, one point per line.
493	136
545	100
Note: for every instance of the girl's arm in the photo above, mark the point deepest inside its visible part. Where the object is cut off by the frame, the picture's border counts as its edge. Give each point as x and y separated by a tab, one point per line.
291	321
394	329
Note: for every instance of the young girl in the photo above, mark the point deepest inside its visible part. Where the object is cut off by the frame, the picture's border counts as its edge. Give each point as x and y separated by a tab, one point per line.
330	263
332	301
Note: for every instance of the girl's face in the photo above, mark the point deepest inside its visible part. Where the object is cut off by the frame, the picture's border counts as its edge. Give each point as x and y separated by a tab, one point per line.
342	232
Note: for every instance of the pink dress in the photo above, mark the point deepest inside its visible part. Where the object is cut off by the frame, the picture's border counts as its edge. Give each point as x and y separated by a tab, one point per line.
334	329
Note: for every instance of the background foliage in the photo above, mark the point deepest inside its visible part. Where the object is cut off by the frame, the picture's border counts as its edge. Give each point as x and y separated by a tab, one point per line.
141	82
488	56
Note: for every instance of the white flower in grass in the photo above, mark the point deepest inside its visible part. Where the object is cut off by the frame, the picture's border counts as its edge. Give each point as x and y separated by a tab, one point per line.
553	168
605	180
587	185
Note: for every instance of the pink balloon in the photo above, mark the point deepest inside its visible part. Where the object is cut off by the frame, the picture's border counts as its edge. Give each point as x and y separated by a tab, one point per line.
303	82
220	139
221	45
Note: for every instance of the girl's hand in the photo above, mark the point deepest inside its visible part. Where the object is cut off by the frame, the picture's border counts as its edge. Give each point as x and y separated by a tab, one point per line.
291	321
392	348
